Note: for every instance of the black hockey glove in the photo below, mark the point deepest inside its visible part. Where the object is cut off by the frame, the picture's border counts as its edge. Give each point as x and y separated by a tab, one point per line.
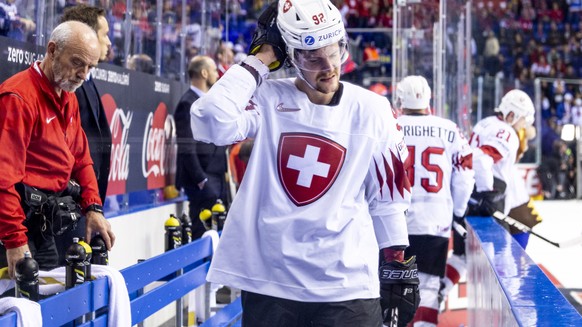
459	220
484	204
459	235
267	32
399	290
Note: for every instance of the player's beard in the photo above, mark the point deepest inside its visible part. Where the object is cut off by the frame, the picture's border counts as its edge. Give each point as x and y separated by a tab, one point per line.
316	84
330	86
63	83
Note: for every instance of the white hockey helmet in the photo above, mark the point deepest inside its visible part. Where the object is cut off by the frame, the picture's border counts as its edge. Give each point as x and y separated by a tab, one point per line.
413	92
311	25
519	103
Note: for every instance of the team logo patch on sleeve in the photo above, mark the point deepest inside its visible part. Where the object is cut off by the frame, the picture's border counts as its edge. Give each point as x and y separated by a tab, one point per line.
251	105
308	165
402	149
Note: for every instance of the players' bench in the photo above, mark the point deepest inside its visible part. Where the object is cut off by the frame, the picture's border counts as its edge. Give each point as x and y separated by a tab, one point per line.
182	270
230	316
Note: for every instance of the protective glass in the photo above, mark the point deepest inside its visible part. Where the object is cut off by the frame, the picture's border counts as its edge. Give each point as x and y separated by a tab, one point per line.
327	58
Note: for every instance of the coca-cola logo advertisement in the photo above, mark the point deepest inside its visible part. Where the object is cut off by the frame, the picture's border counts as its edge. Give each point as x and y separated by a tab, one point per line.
159	148
119	123
139	110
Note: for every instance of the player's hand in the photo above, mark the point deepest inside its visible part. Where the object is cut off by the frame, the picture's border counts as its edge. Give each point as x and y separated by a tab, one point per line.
399	290
267	32
460	220
96	222
13	255
486	203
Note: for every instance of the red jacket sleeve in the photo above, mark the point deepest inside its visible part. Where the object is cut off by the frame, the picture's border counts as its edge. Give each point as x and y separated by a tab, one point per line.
14	140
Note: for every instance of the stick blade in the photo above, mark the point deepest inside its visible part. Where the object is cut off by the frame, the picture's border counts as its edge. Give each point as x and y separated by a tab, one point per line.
573	242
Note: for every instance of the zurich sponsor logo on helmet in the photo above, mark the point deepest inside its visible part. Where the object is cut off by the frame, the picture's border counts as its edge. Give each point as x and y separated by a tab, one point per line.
323	38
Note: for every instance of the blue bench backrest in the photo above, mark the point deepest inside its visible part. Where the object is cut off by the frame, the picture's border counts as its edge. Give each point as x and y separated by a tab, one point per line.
192	260
190	257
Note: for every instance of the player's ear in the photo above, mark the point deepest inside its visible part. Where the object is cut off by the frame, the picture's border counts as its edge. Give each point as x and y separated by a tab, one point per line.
51	49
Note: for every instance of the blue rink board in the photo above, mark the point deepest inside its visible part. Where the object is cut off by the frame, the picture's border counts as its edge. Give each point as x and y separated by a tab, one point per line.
532	297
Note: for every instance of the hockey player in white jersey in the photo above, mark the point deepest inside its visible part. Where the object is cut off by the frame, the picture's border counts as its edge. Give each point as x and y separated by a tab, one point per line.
496	143
440	172
325	191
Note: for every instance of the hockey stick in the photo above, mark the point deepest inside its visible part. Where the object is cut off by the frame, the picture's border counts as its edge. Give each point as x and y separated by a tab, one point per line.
460	229
393	318
511	221
525	229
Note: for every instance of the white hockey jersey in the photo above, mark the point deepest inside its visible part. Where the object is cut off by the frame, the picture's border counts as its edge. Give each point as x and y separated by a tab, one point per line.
320	183
440	172
495	145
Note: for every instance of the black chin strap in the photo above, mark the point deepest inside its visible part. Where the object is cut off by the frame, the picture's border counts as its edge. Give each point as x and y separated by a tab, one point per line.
337	96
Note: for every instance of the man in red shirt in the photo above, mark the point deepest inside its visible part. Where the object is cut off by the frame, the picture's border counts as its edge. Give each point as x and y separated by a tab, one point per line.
44	146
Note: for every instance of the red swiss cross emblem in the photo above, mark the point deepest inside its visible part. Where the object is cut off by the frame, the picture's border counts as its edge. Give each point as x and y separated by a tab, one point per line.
287	6
308	165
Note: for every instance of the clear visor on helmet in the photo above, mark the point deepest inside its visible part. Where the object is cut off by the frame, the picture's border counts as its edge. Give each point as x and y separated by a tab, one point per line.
327	58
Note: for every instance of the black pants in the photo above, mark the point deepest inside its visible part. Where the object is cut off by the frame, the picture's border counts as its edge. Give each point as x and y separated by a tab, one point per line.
267	311
43	250
215	188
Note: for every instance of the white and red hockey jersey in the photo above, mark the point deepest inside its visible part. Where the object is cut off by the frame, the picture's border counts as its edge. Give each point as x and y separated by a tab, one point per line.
495	145
324	190
440	172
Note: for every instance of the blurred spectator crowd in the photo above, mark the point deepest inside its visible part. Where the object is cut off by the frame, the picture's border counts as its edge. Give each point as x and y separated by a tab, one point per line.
516	41
521	40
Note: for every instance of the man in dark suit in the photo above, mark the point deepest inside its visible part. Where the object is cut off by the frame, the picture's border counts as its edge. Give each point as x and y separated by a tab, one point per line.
201	166
93	118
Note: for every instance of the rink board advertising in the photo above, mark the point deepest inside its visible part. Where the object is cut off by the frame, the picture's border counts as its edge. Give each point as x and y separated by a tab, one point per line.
139	110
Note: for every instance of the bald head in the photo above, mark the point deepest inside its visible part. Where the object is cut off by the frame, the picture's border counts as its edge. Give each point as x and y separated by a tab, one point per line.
197	64
74	32
73	49
203	72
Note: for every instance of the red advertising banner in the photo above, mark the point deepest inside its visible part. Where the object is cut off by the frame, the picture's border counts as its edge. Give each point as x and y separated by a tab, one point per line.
139	110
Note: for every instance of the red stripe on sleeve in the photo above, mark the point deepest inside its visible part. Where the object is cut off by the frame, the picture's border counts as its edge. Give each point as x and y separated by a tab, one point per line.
492	152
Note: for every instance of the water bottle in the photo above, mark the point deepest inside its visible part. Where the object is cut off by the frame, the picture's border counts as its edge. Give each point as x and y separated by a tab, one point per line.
27	277
173	237
75	264
100	254
87	262
186	229
205	216
218	215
